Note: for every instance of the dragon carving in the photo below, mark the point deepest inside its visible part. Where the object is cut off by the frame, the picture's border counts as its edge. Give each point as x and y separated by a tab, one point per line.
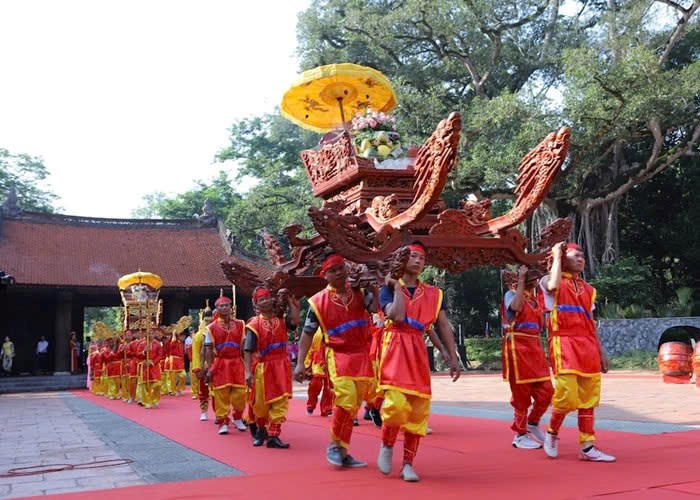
373	238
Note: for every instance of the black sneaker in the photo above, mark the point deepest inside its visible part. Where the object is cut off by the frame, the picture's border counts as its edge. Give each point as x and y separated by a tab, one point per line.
276	442
309	411
351	463
355	423
376	417
253	428
368	415
334	455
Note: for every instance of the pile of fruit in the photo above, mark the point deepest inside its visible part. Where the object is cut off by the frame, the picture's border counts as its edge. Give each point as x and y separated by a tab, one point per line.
376	136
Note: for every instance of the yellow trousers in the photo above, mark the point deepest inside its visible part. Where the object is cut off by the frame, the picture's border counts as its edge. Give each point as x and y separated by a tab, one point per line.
113	386
165	383
150	392
98	385
407	411
276	411
194	385
176	381
124	384
226	398
574	392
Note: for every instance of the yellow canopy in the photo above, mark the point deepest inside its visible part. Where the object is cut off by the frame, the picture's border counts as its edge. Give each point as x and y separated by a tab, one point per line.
150	279
314	101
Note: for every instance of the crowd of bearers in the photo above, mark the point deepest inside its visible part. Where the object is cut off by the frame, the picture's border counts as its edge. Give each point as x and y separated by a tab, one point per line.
369	345
130	368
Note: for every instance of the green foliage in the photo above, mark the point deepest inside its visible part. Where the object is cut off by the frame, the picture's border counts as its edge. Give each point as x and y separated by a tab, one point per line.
628	282
610	310
483	351
110	316
25	173
219	191
634	360
635	311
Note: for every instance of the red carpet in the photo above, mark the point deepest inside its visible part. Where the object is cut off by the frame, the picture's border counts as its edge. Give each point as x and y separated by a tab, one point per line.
466	457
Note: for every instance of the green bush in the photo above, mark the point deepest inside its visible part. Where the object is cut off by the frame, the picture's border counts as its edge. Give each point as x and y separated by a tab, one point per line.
634	360
628	282
483	350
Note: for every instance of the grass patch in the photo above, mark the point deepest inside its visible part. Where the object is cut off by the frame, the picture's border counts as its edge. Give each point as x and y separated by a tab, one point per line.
634	360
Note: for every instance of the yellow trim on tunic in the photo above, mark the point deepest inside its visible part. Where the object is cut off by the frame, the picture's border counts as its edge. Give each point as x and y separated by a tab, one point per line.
510	338
556	351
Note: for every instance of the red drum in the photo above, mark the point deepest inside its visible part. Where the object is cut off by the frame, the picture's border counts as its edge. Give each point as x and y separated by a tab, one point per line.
676	362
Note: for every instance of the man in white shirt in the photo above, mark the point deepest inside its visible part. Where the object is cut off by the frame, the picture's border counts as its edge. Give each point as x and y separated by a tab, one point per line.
42	354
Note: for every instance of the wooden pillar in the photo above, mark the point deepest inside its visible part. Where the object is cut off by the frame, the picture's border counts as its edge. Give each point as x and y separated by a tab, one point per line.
62	328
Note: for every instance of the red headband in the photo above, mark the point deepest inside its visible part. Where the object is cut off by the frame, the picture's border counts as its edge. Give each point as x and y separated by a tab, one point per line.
416	248
573	246
331	261
222	300
261	293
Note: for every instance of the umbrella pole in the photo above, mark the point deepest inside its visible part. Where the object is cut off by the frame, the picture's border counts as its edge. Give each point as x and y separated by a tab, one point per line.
346	129
342	112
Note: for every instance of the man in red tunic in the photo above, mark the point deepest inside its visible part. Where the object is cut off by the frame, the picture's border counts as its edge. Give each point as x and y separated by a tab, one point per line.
271	383
342	314
150	353
574	350
524	363
411	307
226	371
175	365
319	383
113	368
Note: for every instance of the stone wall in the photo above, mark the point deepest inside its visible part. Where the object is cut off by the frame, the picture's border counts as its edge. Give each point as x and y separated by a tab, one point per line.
621	335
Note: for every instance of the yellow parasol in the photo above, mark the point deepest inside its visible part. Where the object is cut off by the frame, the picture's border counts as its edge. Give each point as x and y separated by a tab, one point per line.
319	98
150	279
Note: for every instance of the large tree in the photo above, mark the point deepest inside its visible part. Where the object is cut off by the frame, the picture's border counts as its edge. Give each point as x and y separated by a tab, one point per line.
623	76
25	174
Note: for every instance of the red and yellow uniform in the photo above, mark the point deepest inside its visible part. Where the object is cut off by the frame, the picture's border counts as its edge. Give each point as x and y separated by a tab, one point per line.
316	360
575	355
95	361
227	370
175	366
194	378
273	373
524	363
404	372
344	322
150	374
374	396
130	372
112	372
199	386
164	379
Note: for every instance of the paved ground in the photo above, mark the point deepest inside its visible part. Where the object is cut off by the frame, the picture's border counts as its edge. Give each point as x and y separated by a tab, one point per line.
50	428
60	428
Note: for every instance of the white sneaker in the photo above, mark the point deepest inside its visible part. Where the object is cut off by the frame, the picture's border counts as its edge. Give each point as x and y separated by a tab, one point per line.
551	445
408	474
129	401
223	429
203	416
427	431
536	434
595	455
240	425
525	443
384	459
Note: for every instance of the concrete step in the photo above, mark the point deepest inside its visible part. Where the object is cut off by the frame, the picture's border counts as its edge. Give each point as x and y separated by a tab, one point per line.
41	384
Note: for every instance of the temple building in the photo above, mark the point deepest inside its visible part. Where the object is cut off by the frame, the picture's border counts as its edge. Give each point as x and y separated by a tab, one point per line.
56	265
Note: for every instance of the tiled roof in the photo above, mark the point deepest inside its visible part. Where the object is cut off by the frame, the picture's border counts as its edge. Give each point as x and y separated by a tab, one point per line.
40	249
